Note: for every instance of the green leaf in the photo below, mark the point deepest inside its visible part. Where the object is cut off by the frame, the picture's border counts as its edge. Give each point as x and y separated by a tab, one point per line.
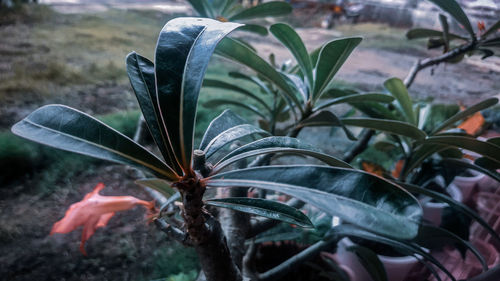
141	74
183	51
494	42
355	196
157	184
331	57
454	9
276	145
236	51
254	28
368	97
325	118
292	41
269	9
230	135
370	262
265	208
465	113
419	155
417	33
484	148
446	31
452	203
375	110
225	102
487	163
231	87
389	126
275	237
224	121
65	128
403	247
433	115
492	29
398	89
199	7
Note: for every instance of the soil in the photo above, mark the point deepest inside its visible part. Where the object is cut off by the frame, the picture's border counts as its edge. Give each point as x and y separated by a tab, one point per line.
123	250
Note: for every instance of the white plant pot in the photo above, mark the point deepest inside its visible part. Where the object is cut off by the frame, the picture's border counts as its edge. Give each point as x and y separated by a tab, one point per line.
397	268
467	184
434	210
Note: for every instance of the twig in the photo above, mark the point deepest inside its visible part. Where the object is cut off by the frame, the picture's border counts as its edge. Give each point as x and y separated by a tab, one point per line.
173	232
360	146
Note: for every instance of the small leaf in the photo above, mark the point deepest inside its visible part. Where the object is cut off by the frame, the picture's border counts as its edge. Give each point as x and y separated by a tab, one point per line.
331	57
465	113
398	89
225	102
292	41
465	164
254	28
492	29
484	148
389	126
265	208
68	129
368	97
454	9
446	31
157	184
269	9
231	87
224	121
424	33
230	135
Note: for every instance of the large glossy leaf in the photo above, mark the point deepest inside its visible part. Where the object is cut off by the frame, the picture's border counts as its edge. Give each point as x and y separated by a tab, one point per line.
355	196
390	126
398	89
486	149
454	9
277	145
465	113
370	262
225	102
368	97
288	37
157	184
231	87
452	203
424	33
265	208
140	71
274	8
68	129
326	118
224	121
183	51
403	247
230	135
238	52
331	57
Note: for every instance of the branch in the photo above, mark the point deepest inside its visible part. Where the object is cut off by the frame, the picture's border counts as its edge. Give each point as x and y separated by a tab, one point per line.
288	265
173	232
421	64
360	146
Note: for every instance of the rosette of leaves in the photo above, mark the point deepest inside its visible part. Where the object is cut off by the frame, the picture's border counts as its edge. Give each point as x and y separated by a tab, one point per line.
232	10
299	94
168	91
484	41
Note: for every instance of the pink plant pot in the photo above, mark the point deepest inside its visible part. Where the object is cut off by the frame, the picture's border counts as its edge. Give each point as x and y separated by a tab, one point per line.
470	266
467	184
434	210
397	268
488	206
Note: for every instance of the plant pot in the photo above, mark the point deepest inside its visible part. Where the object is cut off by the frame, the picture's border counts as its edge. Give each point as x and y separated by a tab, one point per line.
397	268
488	184
470	266
488	206
434	210
467	184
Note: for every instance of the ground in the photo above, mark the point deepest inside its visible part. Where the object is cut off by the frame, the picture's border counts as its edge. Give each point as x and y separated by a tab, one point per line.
78	59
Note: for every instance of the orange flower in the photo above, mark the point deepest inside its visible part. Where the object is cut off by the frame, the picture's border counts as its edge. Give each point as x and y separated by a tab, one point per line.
94	211
398	168
473	125
373	168
481	26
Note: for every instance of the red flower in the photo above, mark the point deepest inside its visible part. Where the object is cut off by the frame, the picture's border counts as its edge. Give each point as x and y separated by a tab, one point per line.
95	211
